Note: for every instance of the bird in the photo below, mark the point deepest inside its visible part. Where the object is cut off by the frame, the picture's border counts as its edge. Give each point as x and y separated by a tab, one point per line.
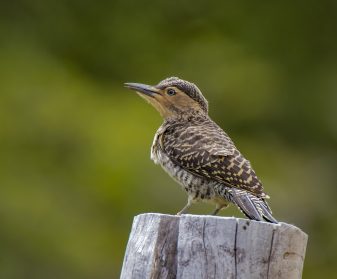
198	154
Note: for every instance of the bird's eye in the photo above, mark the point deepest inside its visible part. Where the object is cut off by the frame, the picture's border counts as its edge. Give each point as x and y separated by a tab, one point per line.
171	92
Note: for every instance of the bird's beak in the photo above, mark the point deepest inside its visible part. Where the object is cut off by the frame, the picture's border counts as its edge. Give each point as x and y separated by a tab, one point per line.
143	88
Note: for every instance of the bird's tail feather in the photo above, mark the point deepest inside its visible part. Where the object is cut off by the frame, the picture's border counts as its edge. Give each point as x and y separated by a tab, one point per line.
253	207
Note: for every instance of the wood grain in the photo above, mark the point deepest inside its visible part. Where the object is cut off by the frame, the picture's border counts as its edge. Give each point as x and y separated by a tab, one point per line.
193	246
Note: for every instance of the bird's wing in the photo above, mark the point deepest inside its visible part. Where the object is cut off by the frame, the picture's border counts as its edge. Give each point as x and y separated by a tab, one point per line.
207	151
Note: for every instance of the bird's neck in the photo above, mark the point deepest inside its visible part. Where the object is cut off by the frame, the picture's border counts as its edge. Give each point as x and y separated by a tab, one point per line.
188	117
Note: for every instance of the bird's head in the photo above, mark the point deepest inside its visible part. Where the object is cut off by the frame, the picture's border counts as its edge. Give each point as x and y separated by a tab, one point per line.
173	97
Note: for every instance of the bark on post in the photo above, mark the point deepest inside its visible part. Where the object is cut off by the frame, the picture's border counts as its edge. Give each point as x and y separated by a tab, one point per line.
194	246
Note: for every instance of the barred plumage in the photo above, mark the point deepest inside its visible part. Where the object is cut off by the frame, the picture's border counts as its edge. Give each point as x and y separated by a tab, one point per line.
198	154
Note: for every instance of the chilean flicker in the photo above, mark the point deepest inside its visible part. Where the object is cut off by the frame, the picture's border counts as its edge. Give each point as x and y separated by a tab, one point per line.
198	154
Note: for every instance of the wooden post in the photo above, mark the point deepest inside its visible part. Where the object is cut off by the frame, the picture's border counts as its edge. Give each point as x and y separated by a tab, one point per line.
194	246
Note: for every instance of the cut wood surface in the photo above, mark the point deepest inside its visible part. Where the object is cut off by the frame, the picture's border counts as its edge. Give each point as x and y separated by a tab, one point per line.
194	246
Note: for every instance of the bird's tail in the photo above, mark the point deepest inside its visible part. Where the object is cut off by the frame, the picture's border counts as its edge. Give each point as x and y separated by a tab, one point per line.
253	207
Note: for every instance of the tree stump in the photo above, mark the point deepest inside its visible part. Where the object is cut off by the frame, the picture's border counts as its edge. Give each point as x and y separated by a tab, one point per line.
194	246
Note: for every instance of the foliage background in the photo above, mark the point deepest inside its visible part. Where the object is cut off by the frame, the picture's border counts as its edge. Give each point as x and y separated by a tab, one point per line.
74	144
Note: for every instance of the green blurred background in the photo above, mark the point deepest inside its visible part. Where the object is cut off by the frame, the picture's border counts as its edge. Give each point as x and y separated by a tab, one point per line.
75	144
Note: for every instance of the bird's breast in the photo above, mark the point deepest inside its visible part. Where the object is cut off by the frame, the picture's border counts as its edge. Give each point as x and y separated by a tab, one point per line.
199	187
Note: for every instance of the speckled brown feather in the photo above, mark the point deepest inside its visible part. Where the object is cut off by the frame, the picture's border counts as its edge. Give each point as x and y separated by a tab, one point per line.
201	147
